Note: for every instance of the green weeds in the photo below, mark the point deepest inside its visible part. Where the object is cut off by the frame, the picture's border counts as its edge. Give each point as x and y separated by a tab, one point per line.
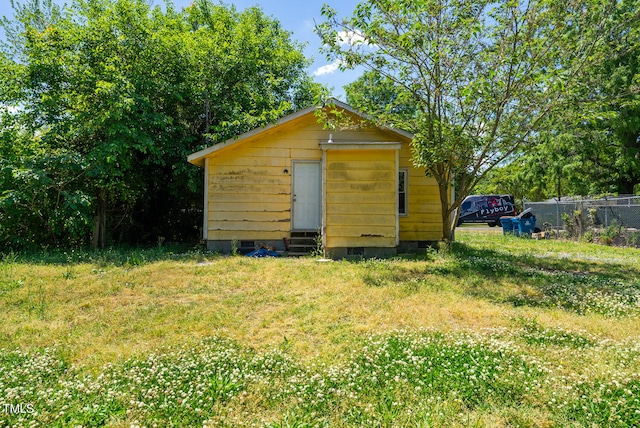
599	287
607	402
8	282
534	334
403	378
115	256
583	294
516	279
510	364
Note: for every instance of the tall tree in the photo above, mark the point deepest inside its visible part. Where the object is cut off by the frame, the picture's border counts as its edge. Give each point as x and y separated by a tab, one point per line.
125	91
593	146
482	75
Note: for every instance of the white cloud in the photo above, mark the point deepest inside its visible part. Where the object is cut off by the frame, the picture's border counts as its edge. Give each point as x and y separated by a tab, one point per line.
344	38
328	69
351	38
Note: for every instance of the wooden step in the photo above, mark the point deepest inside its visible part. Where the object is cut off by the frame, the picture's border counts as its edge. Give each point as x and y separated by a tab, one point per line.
302	243
299	245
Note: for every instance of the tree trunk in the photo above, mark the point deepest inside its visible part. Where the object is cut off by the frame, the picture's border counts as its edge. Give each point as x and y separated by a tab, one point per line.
447	225
100	222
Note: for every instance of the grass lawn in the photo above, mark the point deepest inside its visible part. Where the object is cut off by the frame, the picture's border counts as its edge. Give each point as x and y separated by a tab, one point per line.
497	331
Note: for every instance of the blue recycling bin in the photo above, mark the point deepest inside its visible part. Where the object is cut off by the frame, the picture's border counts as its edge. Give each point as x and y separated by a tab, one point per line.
523	226
507	224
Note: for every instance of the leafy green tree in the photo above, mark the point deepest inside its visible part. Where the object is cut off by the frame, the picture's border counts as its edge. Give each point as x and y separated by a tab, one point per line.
482	76
379	95
593	146
124	92
507	179
43	200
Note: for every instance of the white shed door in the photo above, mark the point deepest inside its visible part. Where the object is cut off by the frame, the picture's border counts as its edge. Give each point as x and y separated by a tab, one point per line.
306	195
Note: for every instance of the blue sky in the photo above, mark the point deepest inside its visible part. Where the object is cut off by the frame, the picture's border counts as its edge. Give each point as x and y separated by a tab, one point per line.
296	16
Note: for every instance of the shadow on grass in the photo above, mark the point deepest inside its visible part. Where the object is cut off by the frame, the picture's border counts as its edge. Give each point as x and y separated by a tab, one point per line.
610	289
116	256
521	266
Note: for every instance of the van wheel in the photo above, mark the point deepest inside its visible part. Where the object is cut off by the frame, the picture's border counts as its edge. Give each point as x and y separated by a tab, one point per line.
492	224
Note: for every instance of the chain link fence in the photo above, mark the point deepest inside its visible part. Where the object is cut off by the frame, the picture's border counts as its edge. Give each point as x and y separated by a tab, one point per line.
620	211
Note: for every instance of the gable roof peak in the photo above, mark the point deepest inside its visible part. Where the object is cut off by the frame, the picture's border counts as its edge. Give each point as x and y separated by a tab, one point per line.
197	158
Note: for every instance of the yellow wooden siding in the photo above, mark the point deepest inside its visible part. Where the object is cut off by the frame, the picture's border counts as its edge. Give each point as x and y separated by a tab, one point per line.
360	198
249	192
350	241
244	235
359	176
250	216
371	208
339	197
423	222
222	207
246	198
253	226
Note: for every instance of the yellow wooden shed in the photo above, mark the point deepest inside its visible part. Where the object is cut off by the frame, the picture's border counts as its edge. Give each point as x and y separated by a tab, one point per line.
294	182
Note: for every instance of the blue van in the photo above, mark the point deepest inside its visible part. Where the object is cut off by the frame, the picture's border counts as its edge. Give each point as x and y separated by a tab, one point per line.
486	209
